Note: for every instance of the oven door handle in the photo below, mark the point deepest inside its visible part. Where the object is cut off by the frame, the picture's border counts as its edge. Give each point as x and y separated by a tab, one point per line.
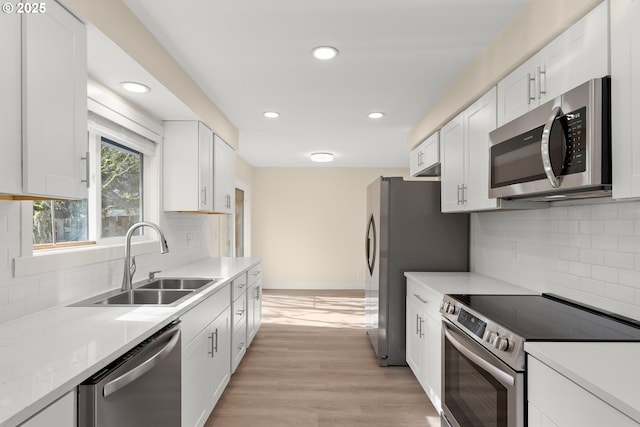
501	376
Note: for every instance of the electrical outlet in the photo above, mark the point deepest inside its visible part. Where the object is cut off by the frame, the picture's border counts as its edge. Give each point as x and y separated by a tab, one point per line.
513	246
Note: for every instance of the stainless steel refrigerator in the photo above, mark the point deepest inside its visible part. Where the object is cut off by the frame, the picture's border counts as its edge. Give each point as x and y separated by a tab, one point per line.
405	232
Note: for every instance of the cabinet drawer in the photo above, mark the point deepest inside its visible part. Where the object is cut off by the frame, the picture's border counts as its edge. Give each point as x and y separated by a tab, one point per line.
196	319
239	310
255	274
239	285
425	298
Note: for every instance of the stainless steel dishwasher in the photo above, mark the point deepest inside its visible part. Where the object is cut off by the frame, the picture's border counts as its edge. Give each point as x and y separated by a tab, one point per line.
141	388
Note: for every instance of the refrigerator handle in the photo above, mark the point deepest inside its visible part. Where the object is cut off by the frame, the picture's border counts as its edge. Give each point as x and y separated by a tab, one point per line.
370	244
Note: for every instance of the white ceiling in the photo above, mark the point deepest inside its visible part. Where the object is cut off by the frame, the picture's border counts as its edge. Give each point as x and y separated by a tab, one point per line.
251	56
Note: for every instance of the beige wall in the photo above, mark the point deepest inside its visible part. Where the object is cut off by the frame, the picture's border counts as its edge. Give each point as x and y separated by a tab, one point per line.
539	23
308	225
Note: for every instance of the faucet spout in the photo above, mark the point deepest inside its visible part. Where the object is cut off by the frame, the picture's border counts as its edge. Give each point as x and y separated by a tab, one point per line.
129	270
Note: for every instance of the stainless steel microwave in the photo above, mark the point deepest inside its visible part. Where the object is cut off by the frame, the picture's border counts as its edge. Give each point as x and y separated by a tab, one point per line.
561	149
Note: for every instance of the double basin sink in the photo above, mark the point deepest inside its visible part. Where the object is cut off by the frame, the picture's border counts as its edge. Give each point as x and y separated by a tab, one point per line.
164	291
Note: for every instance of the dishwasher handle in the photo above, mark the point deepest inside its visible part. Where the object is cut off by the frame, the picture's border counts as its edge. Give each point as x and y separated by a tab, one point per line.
141	369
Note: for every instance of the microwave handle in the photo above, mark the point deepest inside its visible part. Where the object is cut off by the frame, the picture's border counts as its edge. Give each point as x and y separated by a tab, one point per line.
544	148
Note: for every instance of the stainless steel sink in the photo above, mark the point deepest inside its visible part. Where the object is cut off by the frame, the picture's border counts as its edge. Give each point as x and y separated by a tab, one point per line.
178	283
144	297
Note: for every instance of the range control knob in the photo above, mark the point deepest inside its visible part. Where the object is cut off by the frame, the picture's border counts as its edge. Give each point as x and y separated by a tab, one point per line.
501	343
442	304
451	309
488	335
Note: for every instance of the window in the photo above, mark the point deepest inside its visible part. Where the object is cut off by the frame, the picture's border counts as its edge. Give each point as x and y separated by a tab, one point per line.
115	200
120	189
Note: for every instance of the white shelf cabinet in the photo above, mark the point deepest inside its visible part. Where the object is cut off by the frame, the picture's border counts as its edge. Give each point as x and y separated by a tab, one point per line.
188	167
425	158
206	351
625	98
554	400
465	157
61	413
44	104
224	159
575	56
423	340
254	302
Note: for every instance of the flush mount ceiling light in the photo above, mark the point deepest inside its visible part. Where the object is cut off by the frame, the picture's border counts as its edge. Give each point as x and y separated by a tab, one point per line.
271	114
321	157
135	87
324	53
375	115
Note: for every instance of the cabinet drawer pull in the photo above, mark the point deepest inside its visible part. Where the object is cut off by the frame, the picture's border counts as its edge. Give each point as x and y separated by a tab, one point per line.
240	312
530	79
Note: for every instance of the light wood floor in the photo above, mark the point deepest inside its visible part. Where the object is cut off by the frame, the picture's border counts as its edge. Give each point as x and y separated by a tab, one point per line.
311	364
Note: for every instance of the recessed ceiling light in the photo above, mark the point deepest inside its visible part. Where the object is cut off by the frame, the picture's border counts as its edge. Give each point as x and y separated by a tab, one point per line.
375	115
271	114
322	157
324	52
135	87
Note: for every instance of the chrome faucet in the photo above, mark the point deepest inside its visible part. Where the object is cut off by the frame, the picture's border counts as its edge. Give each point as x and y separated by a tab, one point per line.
129	261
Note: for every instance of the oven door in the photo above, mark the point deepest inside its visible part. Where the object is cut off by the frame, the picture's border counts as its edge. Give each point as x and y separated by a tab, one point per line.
478	390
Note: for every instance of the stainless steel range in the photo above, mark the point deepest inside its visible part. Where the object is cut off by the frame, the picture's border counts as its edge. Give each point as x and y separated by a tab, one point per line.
483	360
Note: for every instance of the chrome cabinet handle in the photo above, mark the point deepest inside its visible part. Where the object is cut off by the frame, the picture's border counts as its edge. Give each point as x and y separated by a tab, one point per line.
459	198
501	376
203	199
87	169
240	312
541	73
544	147
420	299
530	79
210	352
135	373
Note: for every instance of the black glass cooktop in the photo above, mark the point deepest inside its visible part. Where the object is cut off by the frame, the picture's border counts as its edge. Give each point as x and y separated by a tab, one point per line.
551	318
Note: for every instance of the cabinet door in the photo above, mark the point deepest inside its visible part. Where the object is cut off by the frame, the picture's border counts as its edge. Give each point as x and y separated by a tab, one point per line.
197	374
254	316
479	120
205	167
625	97
425	156
221	363
54	96
577	55
224	176
10	105
61	413
415	328
452	178
432	363
517	92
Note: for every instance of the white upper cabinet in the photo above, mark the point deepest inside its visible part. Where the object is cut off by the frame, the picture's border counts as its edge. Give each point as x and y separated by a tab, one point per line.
224	169
44	104
425	158
465	157
577	55
187	166
625	98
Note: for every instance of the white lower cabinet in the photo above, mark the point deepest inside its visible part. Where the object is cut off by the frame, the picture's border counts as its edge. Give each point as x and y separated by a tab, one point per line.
254	302
554	400
238	320
205	356
61	413
423	341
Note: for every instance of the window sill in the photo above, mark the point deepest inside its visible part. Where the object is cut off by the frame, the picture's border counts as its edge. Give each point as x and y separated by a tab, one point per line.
45	261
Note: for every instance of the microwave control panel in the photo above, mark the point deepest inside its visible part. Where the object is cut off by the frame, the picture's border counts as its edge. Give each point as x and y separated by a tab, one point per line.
575	126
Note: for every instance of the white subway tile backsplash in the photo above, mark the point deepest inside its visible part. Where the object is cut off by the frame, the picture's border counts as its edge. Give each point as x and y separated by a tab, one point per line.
588	252
21	296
